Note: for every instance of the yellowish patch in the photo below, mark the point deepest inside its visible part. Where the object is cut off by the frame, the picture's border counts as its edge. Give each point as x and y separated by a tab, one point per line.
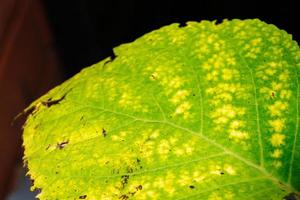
229	169
130	100
163	148
277	164
276	86
213	76
227	74
175	82
184	179
256	41
238	135
215	169
206	66
273	64
277	108
179	96
277	125
183	109
284	76
285	94
215	196
226	110
169	187
231	61
277	153
270	71
179	152
155	134
229	195
277	139
115	138
198	177
159	183
236	124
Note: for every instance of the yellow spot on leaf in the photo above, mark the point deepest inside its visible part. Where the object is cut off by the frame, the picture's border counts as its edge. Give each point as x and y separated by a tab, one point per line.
227	74
183	109
277	108
179	96
175	82
163	148
270	71
284	76
277	139
285	94
256	41
238	135
198	177
277	153
215	196
236	124
215	169
276	86
155	134
184	179
277	124
229	169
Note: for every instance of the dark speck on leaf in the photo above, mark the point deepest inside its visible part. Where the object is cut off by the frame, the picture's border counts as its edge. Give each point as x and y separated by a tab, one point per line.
140	187
153	76
124	197
273	94
62	144
222	173
104	133
124	180
192	187
48	147
82	197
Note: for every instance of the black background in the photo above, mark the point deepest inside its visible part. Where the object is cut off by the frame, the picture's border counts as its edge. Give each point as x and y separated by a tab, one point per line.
85	31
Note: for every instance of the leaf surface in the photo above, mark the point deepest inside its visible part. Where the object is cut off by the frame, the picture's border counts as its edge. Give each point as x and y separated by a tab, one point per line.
204	111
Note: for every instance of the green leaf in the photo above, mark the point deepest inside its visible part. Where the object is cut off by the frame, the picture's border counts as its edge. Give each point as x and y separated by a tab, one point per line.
204	111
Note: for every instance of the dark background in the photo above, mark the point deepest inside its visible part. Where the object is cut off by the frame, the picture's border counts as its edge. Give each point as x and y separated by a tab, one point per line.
85	31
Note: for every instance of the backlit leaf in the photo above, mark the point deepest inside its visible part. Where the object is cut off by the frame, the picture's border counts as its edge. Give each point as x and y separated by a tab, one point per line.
205	111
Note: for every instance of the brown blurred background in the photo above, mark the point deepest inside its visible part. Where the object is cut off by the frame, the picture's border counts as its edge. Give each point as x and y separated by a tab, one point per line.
28	67
43	43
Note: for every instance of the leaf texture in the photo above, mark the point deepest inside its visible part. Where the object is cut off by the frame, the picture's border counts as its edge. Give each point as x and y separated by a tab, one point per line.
205	111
